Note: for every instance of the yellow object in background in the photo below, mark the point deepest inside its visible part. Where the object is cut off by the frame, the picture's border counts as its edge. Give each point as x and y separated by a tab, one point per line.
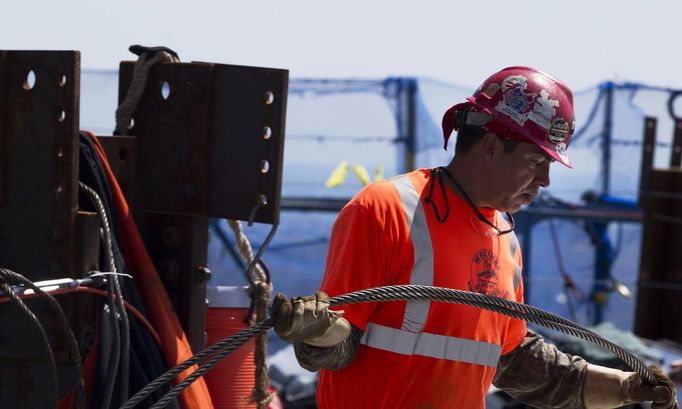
362	174
379	173
338	175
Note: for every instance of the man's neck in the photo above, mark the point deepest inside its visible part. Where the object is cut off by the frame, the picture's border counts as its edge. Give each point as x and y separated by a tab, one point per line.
467	176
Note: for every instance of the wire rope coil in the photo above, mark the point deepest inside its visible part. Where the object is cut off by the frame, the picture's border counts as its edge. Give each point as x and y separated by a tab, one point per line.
216	352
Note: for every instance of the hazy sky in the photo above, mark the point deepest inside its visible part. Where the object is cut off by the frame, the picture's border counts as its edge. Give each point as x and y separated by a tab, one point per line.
582	42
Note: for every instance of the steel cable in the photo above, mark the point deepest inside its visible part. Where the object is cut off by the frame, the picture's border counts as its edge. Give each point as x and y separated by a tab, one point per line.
506	307
392	293
120	357
225	346
74	353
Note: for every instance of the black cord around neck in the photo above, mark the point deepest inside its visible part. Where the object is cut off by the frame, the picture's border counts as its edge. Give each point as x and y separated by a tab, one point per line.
470	202
436	175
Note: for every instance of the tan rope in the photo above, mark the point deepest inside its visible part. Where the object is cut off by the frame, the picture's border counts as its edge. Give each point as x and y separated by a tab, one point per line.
261	294
140	73
244	246
260	393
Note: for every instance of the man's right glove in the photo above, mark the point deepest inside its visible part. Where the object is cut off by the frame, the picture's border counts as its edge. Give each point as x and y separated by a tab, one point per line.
607	388
308	319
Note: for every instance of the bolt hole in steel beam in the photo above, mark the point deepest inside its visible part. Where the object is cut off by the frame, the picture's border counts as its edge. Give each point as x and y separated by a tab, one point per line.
62	81
264	166
131	124
165	90
123	155
30	80
267	132
62	116
269	98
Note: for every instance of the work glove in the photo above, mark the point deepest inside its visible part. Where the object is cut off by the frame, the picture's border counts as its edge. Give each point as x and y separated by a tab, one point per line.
607	388
308	319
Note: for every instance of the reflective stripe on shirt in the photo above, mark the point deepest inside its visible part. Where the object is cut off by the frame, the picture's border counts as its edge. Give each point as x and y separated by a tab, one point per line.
513	244
431	345
416	311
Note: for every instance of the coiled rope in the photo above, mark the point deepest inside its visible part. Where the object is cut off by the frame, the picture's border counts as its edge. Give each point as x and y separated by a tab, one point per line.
221	349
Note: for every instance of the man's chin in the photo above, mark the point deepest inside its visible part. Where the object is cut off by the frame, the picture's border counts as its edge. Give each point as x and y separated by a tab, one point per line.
513	210
524	200
514	205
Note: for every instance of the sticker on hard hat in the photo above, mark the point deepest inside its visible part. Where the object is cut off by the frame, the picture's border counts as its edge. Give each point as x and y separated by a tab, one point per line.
558	130
544	109
491	90
561	151
515	101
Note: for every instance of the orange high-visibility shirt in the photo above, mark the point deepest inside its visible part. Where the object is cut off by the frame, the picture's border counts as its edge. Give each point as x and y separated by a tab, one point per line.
420	354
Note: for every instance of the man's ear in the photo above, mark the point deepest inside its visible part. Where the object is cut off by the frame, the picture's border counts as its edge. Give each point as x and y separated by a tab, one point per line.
490	145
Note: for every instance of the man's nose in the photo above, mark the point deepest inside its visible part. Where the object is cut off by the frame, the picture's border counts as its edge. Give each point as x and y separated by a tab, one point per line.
542	175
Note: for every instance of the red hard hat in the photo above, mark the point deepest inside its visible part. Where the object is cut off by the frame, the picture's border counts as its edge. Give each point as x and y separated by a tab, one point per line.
523	104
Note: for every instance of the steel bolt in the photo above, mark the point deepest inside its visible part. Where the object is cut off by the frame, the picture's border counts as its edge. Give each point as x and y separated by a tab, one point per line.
202	274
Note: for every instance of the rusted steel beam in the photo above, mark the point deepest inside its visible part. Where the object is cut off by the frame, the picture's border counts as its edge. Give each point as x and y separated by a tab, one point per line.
178	245
39	99
647	153
676	151
121	154
211	137
660	275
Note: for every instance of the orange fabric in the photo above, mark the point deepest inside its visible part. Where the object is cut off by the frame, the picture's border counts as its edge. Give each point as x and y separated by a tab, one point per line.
370	247
175	346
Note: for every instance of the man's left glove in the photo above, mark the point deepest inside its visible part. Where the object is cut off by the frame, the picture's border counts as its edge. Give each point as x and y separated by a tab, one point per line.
610	388
308	319
667	383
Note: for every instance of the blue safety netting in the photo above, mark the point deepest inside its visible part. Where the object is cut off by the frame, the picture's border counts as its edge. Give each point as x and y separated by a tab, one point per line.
393	123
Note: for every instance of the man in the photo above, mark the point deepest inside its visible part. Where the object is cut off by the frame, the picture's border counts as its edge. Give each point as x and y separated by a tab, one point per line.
444	227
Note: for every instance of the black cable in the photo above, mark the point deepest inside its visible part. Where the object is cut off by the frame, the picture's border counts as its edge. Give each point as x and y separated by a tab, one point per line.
77	378
437	174
43	337
115	356
120	358
228	345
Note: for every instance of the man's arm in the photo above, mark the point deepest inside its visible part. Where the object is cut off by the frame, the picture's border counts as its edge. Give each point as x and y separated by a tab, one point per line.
539	374
314	358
